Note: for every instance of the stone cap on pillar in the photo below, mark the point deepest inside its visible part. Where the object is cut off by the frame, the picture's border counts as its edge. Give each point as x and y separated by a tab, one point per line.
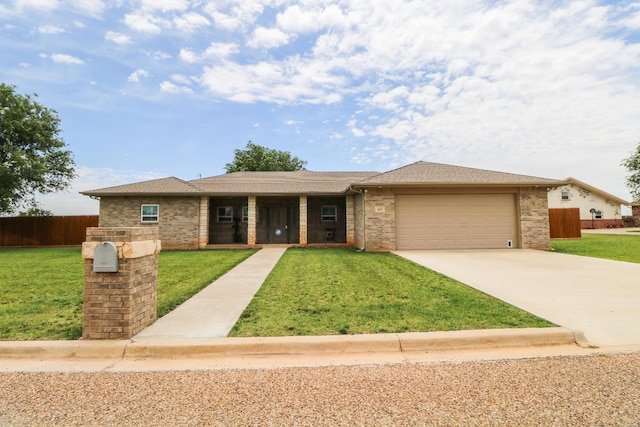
131	242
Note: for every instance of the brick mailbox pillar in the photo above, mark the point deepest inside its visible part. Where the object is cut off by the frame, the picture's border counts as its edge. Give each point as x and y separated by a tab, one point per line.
119	304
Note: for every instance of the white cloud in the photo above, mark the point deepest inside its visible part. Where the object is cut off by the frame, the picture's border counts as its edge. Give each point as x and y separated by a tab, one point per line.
268	38
156	54
221	50
165	5
64	58
43	5
188	55
118	38
181	79
190	22
169	87
144	23
93	8
51	29
137	75
239	14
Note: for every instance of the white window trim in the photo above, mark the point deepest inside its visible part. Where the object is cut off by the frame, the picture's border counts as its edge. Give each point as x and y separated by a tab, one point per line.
143	216
230	217
334	216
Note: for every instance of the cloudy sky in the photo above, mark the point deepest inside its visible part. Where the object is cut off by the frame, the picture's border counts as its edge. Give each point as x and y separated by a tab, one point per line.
155	88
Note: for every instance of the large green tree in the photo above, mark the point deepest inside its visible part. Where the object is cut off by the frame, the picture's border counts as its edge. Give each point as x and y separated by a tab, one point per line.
258	158
33	156
632	163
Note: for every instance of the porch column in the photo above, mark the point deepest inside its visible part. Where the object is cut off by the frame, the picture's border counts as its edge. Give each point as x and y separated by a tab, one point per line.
351	218
203	223
251	226
303	220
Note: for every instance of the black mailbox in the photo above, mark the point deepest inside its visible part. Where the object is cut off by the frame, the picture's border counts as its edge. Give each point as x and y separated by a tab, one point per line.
105	258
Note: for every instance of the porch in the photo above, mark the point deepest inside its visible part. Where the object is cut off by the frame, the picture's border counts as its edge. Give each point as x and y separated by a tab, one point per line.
268	220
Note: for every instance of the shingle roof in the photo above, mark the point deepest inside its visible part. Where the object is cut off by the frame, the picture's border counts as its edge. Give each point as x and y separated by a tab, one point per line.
162	186
434	174
272	183
325	183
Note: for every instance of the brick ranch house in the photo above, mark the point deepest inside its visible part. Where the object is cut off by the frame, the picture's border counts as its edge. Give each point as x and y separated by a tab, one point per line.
419	206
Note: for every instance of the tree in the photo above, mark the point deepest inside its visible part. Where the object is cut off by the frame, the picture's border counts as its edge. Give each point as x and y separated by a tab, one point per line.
257	158
33	158
36	211
632	163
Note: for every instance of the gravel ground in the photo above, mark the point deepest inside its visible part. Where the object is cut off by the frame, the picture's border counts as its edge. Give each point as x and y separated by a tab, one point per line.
601	390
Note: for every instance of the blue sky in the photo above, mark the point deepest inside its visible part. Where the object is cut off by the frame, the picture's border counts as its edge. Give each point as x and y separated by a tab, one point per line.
155	88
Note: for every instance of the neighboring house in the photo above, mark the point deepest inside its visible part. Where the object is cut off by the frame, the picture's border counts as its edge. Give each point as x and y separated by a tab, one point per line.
598	209
419	206
635	213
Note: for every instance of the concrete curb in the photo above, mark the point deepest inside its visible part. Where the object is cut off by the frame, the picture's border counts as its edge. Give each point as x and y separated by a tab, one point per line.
305	345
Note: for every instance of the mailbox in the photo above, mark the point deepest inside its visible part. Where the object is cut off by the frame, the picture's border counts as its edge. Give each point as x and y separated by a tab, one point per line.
105	258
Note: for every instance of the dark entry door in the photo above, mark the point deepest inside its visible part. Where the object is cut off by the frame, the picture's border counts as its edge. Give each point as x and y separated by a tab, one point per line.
278	225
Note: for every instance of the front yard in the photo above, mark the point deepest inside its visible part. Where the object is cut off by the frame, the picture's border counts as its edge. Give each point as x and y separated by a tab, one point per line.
342	291
41	288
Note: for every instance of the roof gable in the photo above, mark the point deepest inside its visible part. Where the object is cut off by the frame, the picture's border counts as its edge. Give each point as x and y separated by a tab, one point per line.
428	173
597	191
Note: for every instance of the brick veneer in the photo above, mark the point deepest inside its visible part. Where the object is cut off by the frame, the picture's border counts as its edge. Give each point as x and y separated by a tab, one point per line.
635	213
380	227
118	305
179	223
534	218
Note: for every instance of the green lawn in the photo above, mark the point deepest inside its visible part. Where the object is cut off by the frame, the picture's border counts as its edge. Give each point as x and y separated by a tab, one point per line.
609	246
342	291
41	288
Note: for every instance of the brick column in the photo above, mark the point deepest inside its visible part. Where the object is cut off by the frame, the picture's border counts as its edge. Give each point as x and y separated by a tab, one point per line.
351	217
203	223
635	213
251	225
118	305
303	220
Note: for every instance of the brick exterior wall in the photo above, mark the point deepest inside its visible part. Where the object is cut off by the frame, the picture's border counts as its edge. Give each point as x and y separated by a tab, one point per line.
380	227
635	214
304	229
178	218
120	304
350	220
358	221
534	218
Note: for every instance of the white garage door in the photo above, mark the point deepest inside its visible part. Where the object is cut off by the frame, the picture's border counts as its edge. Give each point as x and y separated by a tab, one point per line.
465	221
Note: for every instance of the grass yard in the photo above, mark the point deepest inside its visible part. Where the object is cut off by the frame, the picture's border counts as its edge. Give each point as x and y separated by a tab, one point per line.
342	291
41	288
609	246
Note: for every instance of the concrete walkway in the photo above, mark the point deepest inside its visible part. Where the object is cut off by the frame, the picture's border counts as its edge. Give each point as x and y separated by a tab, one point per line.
213	311
599	297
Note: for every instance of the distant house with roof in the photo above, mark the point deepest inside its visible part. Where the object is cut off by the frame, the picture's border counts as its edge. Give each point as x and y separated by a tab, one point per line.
598	209
419	206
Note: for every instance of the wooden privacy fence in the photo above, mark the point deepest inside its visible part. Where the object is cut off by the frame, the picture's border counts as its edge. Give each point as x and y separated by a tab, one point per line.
564	223
45	230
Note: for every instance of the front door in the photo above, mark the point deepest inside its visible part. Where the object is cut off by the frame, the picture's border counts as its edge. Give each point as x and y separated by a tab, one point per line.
278	225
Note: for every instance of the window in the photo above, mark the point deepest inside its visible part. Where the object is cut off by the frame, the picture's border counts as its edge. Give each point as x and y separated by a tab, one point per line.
598	214
149	213
225	214
329	213
245	214
564	195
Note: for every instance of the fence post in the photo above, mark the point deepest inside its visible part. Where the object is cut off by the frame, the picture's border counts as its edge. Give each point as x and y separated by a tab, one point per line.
118	305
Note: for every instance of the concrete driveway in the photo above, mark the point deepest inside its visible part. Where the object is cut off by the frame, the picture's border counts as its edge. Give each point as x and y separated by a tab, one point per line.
599	297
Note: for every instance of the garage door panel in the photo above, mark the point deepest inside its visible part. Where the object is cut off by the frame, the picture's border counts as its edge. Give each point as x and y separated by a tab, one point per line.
473	221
